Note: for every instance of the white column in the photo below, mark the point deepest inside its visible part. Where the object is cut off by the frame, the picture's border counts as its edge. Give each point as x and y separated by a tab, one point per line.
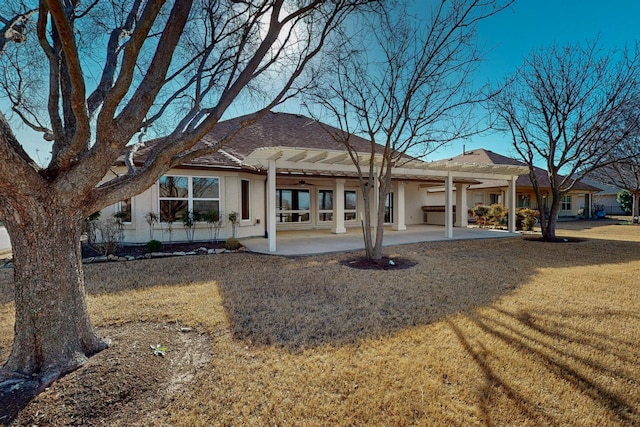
398	207
511	198
271	205
448	207
462	219
338	208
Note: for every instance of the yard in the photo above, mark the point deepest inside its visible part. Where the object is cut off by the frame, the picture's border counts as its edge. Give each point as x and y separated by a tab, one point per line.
483	332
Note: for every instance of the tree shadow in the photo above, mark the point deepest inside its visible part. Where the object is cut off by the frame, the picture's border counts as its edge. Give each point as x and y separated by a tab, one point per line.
551	344
313	301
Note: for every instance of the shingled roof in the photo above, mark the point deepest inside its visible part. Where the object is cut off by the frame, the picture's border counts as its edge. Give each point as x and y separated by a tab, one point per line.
487	157
272	130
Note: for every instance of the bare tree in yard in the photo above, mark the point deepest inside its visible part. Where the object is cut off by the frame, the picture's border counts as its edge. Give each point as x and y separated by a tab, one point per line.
567	108
623	170
408	92
91	77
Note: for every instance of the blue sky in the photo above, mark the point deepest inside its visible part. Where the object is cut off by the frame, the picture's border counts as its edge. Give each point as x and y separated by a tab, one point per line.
508	38
534	24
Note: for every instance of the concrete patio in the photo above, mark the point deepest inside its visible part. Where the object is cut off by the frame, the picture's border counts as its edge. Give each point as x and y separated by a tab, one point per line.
310	242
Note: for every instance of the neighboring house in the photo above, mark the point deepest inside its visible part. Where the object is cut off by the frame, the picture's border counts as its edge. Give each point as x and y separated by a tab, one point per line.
607	198
493	191
286	172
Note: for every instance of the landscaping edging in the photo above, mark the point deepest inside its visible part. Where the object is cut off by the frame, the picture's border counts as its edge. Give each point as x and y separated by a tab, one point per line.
115	258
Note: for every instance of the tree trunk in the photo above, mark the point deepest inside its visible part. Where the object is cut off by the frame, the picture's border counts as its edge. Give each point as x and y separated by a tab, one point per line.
368	238
549	231
53	333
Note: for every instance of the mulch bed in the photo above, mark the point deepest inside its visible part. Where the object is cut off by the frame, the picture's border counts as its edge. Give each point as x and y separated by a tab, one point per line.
384	263
136	250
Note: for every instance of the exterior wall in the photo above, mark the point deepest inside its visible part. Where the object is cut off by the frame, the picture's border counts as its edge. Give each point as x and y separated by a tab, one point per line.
415	199
5	242
138	230
610	203
523	199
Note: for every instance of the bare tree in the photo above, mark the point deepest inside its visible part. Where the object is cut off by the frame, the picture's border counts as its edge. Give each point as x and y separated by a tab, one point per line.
567	108
407	90
622	170
114	72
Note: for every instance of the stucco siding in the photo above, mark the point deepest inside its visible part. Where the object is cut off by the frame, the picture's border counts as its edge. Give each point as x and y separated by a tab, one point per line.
5	242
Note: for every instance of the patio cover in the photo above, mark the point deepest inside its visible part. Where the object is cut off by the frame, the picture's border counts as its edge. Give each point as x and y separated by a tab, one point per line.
337	163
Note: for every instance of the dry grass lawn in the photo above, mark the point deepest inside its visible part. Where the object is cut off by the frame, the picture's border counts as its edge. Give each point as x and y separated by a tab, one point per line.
485	332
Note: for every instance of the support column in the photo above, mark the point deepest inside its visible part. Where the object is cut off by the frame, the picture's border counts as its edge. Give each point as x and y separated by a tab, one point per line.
271	205
448	207
462	218
398	207
338	208
511	198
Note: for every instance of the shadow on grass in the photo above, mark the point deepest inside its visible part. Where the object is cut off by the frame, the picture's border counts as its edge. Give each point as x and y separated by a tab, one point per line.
312	301
595	367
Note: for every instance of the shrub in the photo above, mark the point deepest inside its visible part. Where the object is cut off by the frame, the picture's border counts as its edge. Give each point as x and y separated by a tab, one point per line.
481	213
498	213
234	219
528	218
625	200
153	245
232	244
110	232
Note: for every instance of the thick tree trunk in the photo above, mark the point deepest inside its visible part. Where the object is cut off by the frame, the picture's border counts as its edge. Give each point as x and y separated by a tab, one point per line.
549	230
53	333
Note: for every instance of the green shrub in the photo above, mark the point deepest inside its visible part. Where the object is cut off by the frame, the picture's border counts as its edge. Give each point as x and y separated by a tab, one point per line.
498	213
481	214
528	218
153	245
232	244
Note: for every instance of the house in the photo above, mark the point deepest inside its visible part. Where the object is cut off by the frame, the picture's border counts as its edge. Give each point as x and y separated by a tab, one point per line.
576	202
606	199
286	172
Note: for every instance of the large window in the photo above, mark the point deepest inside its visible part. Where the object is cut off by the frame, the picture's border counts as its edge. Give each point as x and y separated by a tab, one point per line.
292	205
180	194
350	205
566	203
325	205
245	198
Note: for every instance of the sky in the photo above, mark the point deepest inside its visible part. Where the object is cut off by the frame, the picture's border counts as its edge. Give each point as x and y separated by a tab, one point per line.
508	38
534	24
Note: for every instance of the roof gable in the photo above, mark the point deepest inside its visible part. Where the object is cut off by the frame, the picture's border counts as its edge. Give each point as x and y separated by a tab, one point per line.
483	156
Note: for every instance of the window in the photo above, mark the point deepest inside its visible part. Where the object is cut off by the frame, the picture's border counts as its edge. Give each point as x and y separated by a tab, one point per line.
494	198
124	211
350	205
388	209
292	205
325	205
244	195
523	201
566	203
180	194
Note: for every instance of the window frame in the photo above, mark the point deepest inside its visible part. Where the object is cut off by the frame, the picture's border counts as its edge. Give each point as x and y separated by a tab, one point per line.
326	213
283	213
566	203
189	198
119	208
245	199
350	211
389	208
